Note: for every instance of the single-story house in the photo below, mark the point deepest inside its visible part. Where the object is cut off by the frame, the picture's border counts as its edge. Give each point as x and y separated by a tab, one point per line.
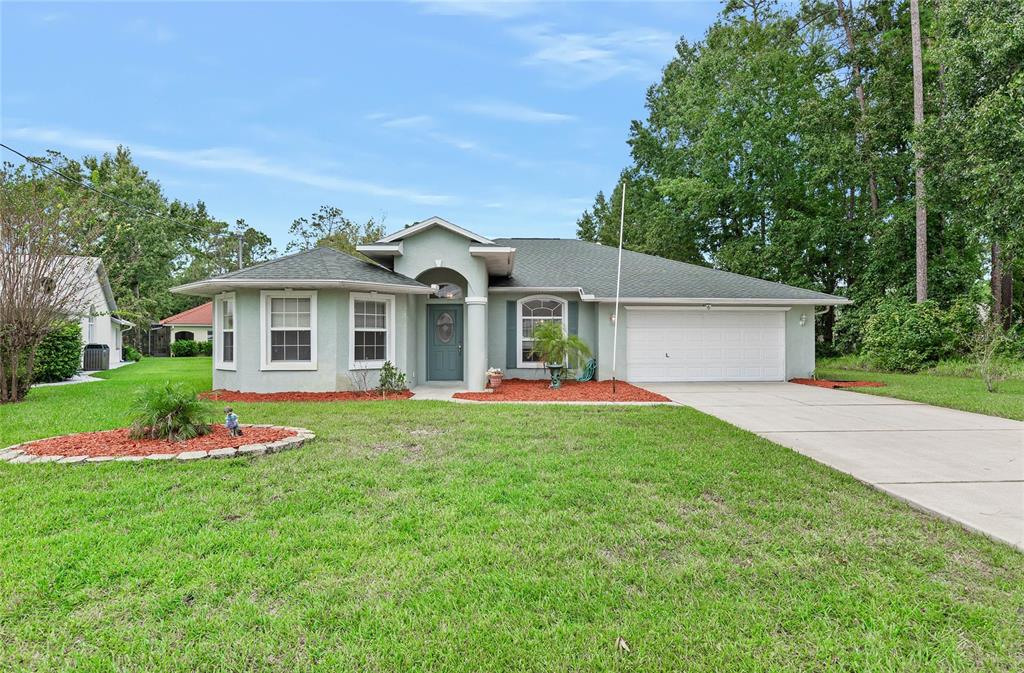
96	317
194	324
443	303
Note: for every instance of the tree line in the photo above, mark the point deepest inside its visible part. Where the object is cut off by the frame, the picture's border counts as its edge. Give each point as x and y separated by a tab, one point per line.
785	144
147	241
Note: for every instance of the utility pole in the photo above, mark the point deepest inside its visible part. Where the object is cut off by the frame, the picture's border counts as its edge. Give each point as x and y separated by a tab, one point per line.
921	212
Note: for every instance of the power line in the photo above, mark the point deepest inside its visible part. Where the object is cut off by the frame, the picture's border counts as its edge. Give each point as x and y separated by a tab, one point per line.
81	183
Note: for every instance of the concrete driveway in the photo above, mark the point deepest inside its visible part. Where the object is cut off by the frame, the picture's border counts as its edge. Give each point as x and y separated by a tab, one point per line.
962	466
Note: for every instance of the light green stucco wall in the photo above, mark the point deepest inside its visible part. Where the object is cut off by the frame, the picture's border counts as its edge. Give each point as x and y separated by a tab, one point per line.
800	342
422	251
332	339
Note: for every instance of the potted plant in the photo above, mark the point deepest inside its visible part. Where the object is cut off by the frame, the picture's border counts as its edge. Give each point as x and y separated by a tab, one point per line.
494	377
555	348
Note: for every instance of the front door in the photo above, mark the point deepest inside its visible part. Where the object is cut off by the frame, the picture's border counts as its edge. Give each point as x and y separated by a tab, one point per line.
444	342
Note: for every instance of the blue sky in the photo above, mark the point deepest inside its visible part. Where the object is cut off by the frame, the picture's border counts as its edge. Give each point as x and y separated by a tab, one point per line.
505	118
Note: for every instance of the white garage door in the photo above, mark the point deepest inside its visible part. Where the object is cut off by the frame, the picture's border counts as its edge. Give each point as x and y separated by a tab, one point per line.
701	345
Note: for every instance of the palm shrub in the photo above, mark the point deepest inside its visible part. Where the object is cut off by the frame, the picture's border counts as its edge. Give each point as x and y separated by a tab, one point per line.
130	354
170	411
555	347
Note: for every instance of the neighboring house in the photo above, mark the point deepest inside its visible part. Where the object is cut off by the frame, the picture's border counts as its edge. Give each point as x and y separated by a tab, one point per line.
444	304
194	324
97	319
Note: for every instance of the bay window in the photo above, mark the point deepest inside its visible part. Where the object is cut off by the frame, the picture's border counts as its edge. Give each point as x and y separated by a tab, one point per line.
288	322
371	321
224	319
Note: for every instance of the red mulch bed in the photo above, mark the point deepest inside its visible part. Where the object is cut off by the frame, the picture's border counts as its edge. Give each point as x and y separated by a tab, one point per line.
346	396
118	443
822	383
526	390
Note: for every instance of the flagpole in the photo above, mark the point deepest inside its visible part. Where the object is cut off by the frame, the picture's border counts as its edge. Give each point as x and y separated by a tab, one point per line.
618	283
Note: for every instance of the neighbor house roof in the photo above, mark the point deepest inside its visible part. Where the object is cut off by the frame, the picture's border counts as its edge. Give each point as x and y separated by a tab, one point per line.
197	315
568	264
318	267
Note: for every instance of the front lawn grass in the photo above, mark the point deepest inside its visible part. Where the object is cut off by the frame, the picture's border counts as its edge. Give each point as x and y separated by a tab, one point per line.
955	392
434	536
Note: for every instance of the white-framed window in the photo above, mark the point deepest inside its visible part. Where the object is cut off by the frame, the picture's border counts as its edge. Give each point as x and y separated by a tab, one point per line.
531	312
288	329
225	353
371	319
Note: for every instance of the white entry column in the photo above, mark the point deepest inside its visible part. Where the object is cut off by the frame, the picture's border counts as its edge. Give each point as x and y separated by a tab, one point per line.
476	343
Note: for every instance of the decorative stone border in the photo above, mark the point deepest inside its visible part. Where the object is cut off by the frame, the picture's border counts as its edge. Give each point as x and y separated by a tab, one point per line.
16	455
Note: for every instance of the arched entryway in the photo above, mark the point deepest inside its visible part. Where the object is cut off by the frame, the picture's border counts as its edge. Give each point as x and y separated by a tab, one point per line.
444	319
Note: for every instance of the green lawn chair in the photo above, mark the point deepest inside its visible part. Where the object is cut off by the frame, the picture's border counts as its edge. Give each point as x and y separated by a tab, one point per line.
588	371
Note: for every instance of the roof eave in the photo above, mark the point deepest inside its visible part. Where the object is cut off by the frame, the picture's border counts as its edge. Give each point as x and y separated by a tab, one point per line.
729	301
435	221
213	286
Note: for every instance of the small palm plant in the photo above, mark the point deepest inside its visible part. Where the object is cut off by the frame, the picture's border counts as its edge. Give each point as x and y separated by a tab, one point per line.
556	348
172	412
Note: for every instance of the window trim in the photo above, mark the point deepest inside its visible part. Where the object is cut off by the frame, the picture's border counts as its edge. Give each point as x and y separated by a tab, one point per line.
520	363
265	362
389	300
218	318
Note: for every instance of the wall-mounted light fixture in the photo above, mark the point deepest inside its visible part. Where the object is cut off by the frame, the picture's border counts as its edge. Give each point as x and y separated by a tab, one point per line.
803	319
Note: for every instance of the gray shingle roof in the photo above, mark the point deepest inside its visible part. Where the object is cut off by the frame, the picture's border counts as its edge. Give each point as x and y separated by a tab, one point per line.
565	263
320	264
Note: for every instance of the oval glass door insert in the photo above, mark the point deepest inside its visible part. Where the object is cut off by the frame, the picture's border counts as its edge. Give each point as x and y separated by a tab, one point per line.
444	328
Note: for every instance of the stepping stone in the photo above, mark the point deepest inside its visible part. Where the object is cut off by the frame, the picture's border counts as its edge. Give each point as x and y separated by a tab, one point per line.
23	459
130	459
99	459
223	453
73	459
192	455
11	454
160	456
48	459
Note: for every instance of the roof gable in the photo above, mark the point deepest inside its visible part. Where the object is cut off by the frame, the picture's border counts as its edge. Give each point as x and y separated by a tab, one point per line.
430	223
197	315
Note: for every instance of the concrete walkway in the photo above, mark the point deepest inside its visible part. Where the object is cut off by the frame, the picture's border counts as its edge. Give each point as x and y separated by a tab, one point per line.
962	466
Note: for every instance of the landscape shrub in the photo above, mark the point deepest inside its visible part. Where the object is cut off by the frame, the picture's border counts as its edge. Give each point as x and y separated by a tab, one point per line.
170	411
129	354
391	380
905	336
59	355
189	348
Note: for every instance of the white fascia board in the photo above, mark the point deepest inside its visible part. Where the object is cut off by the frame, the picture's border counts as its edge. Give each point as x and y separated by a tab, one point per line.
388	250
492	249
720	301
208	288
434	222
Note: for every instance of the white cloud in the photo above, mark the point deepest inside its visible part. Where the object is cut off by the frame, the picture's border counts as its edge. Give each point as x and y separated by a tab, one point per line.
491	9
583	58
515	112
224	159
414	121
